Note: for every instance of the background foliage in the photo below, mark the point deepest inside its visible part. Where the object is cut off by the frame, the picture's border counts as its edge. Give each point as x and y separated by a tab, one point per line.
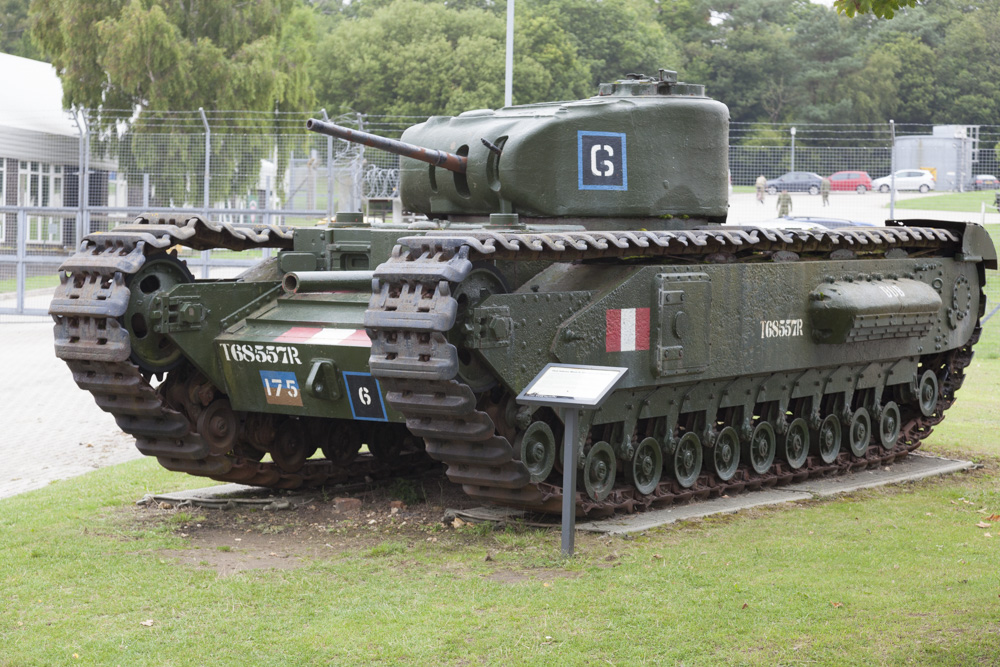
937	61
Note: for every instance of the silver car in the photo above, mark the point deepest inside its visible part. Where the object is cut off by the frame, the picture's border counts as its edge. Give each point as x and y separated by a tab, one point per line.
906	179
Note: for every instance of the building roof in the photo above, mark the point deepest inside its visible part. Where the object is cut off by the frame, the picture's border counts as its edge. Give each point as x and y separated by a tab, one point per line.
32	97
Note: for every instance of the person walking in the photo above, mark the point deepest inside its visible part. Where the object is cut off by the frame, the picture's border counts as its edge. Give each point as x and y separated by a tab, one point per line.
784	204
824	189
761	184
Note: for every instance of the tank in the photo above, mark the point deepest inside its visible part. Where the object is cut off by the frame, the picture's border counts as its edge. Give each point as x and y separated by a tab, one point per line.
582	232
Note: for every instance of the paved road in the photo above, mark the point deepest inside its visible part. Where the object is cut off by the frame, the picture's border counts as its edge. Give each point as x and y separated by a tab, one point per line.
870	207
51	429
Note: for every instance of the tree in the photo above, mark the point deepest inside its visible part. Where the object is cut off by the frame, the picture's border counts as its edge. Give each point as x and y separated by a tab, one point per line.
750	64
120	55
419	59
614	37
175	54
15	37
968	68
884	9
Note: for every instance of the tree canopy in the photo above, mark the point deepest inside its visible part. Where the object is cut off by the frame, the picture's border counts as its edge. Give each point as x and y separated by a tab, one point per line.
177	54
885	9
769	60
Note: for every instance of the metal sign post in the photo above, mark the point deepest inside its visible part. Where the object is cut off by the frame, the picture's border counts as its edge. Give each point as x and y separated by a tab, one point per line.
571	388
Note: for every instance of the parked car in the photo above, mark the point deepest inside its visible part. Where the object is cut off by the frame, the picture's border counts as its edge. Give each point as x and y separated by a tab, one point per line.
795	181
907	179
808	222
833	223
985	182
859	181
779	223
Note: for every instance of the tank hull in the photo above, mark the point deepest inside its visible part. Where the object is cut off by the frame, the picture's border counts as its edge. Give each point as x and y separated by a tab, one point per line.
758	343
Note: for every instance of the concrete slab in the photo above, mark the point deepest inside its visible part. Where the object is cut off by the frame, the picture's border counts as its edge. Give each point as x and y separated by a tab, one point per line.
636	523
227	496
913	467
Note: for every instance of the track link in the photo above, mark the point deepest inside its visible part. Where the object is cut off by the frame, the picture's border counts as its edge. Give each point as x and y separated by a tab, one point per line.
412	309
87	305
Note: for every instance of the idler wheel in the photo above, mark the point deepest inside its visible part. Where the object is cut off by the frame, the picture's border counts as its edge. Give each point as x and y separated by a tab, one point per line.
218	426
646	467
152	351
796	443
828	439
289	451
538	450
889	425
342	443
687	460
481	282
599	471
761	448
726	453
927	393
859	432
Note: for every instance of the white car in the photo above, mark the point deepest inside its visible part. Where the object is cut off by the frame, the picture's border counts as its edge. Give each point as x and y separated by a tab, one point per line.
906	179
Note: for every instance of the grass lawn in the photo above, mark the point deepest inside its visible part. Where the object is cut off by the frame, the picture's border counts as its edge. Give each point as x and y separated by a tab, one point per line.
967	202
900	575
32	282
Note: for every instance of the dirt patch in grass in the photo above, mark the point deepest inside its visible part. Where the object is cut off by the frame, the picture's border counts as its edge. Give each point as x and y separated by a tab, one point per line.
387	521
249	538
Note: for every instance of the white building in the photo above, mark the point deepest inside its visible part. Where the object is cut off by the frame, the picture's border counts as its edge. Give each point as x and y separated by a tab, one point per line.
40	150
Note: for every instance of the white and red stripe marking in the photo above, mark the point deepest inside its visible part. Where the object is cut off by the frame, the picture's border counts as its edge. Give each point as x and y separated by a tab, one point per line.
325	336
627	330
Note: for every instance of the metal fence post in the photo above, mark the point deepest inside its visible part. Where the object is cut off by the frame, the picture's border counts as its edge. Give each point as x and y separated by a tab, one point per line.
267	199
329	172
792	132
892	169
83	191
206	254
357	186
78	231
20	270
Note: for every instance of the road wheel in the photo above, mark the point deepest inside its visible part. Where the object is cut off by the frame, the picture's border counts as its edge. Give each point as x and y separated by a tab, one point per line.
771	190
814	189
862	189
925	188
883	188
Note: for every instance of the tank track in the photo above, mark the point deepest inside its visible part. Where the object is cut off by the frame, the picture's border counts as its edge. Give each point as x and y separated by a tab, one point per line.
412	310
93	294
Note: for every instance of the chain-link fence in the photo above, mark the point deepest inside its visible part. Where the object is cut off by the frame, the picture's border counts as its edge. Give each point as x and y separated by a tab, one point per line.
108	166
111	165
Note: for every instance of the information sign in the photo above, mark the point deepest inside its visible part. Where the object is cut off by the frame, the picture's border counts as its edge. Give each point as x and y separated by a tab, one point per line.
568	385
571	388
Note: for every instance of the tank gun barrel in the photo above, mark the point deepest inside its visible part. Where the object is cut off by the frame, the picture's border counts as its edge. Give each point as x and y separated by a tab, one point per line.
449	161
324	281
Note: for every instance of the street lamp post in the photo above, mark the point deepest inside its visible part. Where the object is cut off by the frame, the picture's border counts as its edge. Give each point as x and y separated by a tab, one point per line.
508	87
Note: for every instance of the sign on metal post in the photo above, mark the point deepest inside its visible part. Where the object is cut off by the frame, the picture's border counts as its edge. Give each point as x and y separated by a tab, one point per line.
570	388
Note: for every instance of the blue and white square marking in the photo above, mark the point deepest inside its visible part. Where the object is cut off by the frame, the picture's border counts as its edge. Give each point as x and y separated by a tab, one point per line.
602	163
365	397
281	388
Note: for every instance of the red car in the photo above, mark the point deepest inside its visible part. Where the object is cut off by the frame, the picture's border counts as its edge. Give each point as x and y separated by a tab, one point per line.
859	181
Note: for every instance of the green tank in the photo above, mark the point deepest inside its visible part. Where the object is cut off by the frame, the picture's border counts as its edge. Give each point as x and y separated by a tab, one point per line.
584	232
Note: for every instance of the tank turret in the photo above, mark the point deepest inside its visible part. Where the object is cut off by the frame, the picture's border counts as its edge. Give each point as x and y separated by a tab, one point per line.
652	151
